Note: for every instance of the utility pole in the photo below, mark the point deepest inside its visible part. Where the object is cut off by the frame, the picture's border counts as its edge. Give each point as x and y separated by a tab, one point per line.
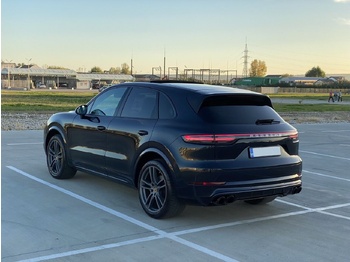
28	72
8	74
164	65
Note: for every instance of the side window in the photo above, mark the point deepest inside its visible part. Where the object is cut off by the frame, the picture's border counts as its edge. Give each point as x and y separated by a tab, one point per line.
107	103
166	109
141	103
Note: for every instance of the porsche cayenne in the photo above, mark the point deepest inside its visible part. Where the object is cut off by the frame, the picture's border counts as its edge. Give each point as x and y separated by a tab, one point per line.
179	143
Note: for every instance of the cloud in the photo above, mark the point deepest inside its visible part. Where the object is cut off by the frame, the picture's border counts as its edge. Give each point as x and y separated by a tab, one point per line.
342	1
344	21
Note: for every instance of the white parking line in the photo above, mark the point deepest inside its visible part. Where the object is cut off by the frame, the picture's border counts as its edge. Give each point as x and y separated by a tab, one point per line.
174	235
320	209
335	131
324	175
318	154
155	230
21	144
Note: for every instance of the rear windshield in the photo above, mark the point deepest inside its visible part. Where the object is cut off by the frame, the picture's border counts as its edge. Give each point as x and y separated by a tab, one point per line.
238	111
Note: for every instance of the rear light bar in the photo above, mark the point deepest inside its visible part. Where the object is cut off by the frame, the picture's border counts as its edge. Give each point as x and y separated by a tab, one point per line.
228	138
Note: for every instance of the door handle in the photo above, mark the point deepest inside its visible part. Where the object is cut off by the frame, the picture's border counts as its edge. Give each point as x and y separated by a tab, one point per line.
143	132
101	128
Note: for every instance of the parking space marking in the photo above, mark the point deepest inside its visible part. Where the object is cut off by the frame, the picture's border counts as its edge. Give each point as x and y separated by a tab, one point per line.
334	131
21	144
319	154
92	249
134	221
319	209
324	175
162	234
174	235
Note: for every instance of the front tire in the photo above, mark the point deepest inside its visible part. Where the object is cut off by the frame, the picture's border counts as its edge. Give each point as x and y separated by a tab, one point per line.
56	159
156	193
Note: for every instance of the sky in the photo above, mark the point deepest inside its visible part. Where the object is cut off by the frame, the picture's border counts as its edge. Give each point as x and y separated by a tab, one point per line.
290	36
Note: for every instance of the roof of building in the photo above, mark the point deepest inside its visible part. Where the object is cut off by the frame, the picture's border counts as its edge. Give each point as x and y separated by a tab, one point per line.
64	72
38	72
90	77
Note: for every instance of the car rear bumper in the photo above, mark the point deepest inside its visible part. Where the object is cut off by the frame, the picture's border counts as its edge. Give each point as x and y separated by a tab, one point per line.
213	187
220	196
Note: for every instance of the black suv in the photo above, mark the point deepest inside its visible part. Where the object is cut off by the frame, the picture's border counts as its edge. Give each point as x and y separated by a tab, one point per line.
179	143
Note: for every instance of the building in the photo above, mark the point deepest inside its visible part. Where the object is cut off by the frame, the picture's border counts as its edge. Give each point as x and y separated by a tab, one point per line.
35	77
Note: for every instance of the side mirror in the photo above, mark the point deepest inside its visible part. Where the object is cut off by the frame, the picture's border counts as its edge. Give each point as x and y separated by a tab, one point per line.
81	110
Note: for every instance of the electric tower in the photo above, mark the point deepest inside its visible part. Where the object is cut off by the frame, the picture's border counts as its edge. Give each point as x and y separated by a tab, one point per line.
245	63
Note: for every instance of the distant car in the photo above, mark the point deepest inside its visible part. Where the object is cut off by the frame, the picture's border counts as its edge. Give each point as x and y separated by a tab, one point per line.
42	86
96	86
179	143
63	85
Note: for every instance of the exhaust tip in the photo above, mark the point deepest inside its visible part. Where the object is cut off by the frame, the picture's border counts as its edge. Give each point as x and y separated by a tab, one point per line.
224	200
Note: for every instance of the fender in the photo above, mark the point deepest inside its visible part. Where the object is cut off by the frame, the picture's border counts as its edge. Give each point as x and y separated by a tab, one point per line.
57	129
170	162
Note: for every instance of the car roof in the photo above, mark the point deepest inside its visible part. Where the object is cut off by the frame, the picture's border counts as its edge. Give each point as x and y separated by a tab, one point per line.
196	93
203	89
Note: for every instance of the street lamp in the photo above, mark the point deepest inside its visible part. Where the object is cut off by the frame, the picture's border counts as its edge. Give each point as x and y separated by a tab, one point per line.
28	72
8	74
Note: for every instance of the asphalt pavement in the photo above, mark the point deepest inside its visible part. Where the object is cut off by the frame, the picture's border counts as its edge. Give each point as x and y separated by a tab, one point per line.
88	218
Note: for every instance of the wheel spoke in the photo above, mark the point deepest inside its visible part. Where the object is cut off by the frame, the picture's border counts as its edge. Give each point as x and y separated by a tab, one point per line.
159	201
55	157
145	184
153	189
153	175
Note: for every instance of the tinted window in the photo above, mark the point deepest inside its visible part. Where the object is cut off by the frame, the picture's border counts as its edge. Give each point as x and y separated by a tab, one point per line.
107	102
166	109
141	103
241	114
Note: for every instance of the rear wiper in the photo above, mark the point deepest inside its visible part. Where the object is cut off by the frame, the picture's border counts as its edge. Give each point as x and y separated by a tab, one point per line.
266	121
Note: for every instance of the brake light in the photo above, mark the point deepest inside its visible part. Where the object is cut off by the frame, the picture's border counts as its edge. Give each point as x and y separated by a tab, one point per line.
208	138
294	136
228	138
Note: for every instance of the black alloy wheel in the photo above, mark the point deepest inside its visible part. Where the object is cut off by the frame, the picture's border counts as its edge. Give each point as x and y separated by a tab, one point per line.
156	193
56	159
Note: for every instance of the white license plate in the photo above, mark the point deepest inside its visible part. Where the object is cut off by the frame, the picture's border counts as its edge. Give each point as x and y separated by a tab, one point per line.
264	151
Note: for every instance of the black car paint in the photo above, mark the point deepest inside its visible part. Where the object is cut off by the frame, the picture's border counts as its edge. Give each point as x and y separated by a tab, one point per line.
117	148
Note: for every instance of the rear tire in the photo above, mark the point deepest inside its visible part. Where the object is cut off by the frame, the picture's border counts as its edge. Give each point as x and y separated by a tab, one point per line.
156	193
260	201
56	159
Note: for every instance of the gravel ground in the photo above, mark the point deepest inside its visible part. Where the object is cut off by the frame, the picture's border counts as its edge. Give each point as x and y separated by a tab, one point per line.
25	121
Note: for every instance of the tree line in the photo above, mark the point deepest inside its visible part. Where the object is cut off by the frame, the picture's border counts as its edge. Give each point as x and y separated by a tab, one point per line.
258	68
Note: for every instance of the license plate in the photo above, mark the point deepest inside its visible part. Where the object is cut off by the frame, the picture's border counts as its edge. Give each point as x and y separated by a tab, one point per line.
264	151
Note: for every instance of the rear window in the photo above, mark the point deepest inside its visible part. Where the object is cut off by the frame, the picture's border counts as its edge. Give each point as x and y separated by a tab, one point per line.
238	110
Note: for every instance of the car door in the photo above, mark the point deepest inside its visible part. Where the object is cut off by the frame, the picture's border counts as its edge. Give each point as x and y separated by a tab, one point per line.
87	135
130	131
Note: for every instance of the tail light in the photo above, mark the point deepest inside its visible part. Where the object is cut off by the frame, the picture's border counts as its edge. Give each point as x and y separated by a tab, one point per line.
208	138
229	138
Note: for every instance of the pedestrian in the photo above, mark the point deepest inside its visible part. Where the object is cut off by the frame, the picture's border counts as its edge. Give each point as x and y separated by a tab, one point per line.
330	97
340	98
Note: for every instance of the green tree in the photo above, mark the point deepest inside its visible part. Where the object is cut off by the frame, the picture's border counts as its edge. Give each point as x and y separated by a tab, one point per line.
257	68
125	69
56	67
96	70
287	75
115	70
315	72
